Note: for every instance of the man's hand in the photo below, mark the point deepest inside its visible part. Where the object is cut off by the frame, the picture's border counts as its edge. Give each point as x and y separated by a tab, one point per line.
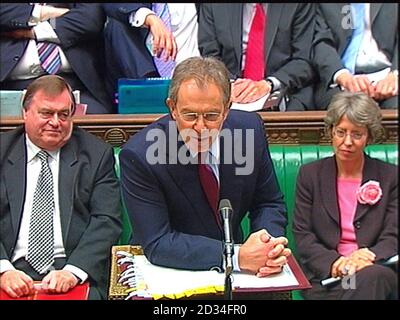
387	87
48	12
358	83
163	40
253	253
16	283
246	90
59	281
276	258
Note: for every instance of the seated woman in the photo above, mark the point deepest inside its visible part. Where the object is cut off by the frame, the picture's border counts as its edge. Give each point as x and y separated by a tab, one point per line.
345	218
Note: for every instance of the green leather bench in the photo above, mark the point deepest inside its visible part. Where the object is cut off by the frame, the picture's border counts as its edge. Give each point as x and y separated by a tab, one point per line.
287	161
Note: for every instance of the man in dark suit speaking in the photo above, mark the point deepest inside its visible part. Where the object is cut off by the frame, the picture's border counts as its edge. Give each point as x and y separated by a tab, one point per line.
59	198
175	171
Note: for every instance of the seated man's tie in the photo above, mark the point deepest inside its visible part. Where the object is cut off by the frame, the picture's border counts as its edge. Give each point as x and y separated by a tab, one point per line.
49	57
41	232
254	67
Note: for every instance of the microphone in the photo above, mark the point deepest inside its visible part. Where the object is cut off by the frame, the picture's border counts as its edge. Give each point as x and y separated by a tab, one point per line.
225	209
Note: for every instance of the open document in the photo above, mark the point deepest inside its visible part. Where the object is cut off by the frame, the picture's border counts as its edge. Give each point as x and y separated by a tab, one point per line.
143	280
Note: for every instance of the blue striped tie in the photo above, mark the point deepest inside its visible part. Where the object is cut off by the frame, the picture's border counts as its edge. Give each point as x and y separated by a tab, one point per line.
349	56
49	57
164	68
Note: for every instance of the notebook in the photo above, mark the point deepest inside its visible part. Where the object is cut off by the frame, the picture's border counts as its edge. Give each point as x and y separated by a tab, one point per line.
143	95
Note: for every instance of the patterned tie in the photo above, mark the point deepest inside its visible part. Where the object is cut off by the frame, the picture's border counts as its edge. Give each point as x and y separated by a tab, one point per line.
41	235
210	187
254	68
165	68
349	56
49	57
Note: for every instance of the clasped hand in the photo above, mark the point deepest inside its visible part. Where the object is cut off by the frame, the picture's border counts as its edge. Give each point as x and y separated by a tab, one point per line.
263	254
17	283
347	266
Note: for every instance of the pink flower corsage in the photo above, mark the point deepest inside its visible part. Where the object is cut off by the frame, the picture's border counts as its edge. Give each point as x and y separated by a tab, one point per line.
369	193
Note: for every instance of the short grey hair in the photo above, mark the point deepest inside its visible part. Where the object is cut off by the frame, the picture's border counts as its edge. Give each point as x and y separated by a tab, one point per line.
203	70
360	109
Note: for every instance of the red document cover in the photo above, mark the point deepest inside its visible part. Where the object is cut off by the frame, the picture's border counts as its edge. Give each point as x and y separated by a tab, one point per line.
79	292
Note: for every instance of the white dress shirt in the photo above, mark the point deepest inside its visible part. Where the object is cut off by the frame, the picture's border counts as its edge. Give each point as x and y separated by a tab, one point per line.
184	27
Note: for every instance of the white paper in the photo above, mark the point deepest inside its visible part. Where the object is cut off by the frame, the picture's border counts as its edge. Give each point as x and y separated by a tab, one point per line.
252	106
166	281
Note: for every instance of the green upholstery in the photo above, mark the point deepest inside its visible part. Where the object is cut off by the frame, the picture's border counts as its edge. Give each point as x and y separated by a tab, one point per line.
287	161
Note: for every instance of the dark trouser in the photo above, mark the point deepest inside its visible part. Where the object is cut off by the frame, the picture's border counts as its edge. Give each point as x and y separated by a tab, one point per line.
374	282
94	106
59	263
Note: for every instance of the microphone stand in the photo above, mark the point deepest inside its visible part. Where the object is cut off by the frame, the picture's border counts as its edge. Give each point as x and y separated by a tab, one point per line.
228	271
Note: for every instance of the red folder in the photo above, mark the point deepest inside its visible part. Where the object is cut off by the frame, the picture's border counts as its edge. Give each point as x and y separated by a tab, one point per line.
79	292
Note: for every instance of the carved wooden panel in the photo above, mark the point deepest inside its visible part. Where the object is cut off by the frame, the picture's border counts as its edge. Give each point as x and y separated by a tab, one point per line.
292	128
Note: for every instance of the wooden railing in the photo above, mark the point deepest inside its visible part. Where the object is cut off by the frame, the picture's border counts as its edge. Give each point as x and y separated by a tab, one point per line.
281	127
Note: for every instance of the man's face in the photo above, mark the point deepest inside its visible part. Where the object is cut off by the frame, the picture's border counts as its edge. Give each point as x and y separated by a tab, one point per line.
199	114
48	121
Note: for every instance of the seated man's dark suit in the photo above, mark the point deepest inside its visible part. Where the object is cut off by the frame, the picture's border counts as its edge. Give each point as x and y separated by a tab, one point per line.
168	209
289	31
125	48
89	201
331	40
80	34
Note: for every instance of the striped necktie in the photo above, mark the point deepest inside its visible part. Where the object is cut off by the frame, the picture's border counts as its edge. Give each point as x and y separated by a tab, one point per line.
49	57
41	234
164	68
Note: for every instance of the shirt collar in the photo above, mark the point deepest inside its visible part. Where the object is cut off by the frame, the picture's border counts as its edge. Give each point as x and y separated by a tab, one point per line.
32	150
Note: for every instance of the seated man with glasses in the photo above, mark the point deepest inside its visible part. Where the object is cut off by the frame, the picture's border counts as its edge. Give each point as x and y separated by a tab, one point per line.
60	198
175	172
346	209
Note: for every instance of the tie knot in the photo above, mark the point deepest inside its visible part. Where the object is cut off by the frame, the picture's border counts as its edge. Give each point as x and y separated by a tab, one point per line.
43	155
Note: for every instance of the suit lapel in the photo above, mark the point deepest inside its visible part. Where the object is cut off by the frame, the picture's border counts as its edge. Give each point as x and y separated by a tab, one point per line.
328	188
230	184
369	173
236	30
273	16
16	183
374	9
67	185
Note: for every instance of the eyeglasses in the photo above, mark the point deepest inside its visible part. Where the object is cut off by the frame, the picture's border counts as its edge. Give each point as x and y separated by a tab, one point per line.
62	115
340	133
207	116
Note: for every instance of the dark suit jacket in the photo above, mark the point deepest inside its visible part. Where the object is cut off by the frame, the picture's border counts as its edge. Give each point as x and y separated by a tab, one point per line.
80	35
126	52
288	44
89	201
169	212
316	225
331	40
